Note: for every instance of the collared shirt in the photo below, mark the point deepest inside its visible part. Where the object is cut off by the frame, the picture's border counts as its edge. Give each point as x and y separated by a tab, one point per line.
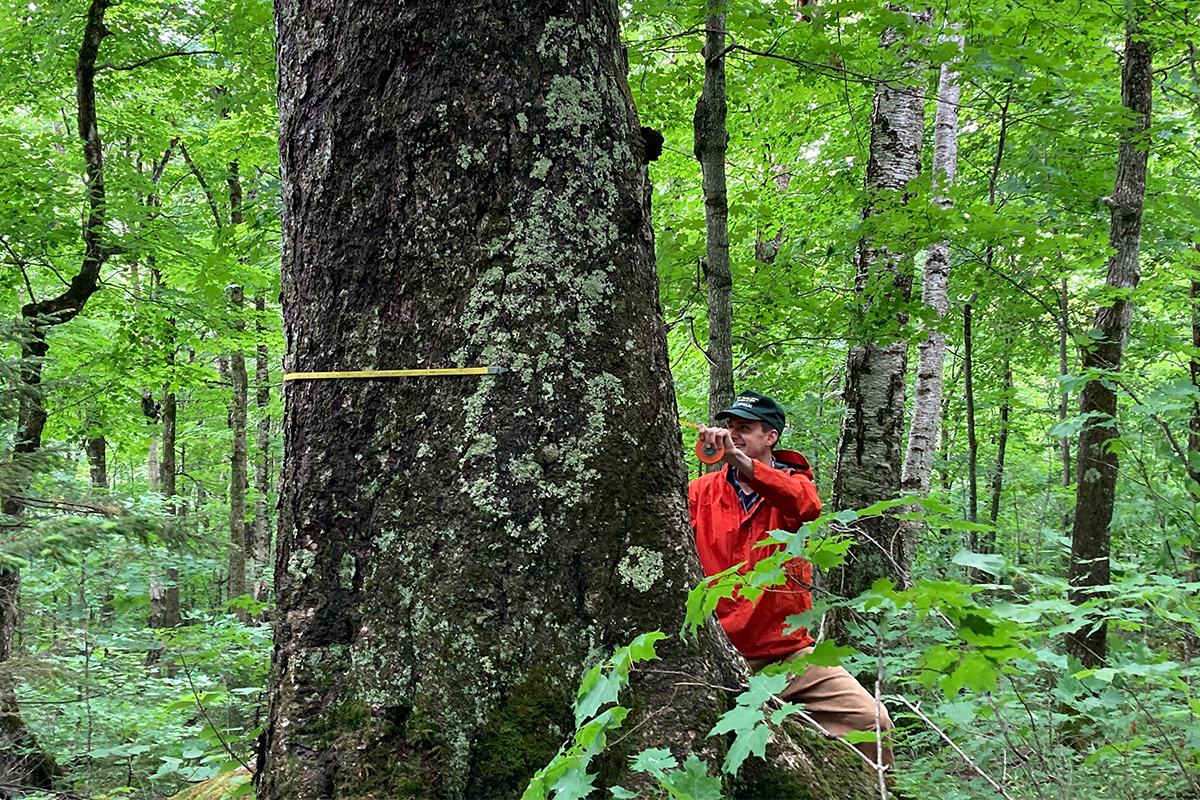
746	497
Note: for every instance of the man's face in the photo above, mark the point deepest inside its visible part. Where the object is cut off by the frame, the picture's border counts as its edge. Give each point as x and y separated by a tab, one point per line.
752	437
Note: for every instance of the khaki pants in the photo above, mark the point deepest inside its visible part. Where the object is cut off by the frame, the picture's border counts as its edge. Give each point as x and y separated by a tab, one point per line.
837	702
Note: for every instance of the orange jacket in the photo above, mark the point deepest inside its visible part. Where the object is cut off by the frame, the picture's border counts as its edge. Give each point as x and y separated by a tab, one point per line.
726	536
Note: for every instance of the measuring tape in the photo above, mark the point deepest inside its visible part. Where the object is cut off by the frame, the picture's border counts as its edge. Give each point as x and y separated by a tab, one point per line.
708	455
394	373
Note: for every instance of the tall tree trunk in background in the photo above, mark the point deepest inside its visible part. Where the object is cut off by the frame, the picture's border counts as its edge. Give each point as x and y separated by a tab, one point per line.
239	536
432	620
927	394
172	614
869	456
989	541
97	456
1097	466
262	452
1064	397
237	459
21	760
153	475
972	438
710	139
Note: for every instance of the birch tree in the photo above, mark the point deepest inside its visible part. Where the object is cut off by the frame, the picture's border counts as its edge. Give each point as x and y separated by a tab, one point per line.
931	359
868	455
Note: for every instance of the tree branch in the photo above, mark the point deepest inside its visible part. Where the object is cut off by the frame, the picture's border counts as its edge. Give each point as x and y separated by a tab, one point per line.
160	57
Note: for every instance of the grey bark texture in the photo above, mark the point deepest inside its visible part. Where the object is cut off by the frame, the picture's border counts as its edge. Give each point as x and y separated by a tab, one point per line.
931	359
1096	462
464	186
711	137
869	463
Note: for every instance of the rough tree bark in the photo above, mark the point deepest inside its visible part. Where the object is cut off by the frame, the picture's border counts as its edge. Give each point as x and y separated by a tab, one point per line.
711	137
869	456
1096	463
21	760
931	359
465	186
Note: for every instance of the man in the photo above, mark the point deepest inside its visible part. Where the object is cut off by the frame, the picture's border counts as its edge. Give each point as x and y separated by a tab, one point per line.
760	490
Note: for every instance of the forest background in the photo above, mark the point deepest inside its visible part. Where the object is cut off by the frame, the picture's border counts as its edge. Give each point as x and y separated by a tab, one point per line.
140	533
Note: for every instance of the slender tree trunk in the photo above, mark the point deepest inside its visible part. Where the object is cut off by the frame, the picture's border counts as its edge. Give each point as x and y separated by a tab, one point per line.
432	620
97	456
153	474
172	615
711	137
262	448
1097	462
927	394
972	440
869	463
237	460
989	545
1064	397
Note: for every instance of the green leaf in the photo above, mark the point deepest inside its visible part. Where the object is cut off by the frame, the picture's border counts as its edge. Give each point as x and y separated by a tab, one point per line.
747	743
604	690
693	782
656	761
621	793
984	562
575	784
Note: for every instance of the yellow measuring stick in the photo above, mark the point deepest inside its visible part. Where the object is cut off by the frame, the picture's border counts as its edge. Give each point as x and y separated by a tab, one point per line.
394	373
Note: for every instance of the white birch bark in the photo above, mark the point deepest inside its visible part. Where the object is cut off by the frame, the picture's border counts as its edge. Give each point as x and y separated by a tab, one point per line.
869	455
927	394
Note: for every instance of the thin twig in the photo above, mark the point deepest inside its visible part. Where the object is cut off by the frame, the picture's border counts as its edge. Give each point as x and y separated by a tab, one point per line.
950	741
1033	780
696	344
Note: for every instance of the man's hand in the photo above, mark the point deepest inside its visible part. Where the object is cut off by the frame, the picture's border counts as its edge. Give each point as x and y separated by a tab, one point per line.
717	438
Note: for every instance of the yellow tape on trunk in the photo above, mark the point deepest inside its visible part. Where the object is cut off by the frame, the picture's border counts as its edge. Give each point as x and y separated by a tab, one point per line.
393	373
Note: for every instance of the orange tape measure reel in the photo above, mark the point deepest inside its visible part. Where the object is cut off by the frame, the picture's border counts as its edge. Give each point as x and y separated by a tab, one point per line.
707	455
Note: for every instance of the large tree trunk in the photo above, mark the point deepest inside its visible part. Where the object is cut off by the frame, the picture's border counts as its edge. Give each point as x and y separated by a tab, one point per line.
465	187
927	394
1096	478
710	139
869	456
